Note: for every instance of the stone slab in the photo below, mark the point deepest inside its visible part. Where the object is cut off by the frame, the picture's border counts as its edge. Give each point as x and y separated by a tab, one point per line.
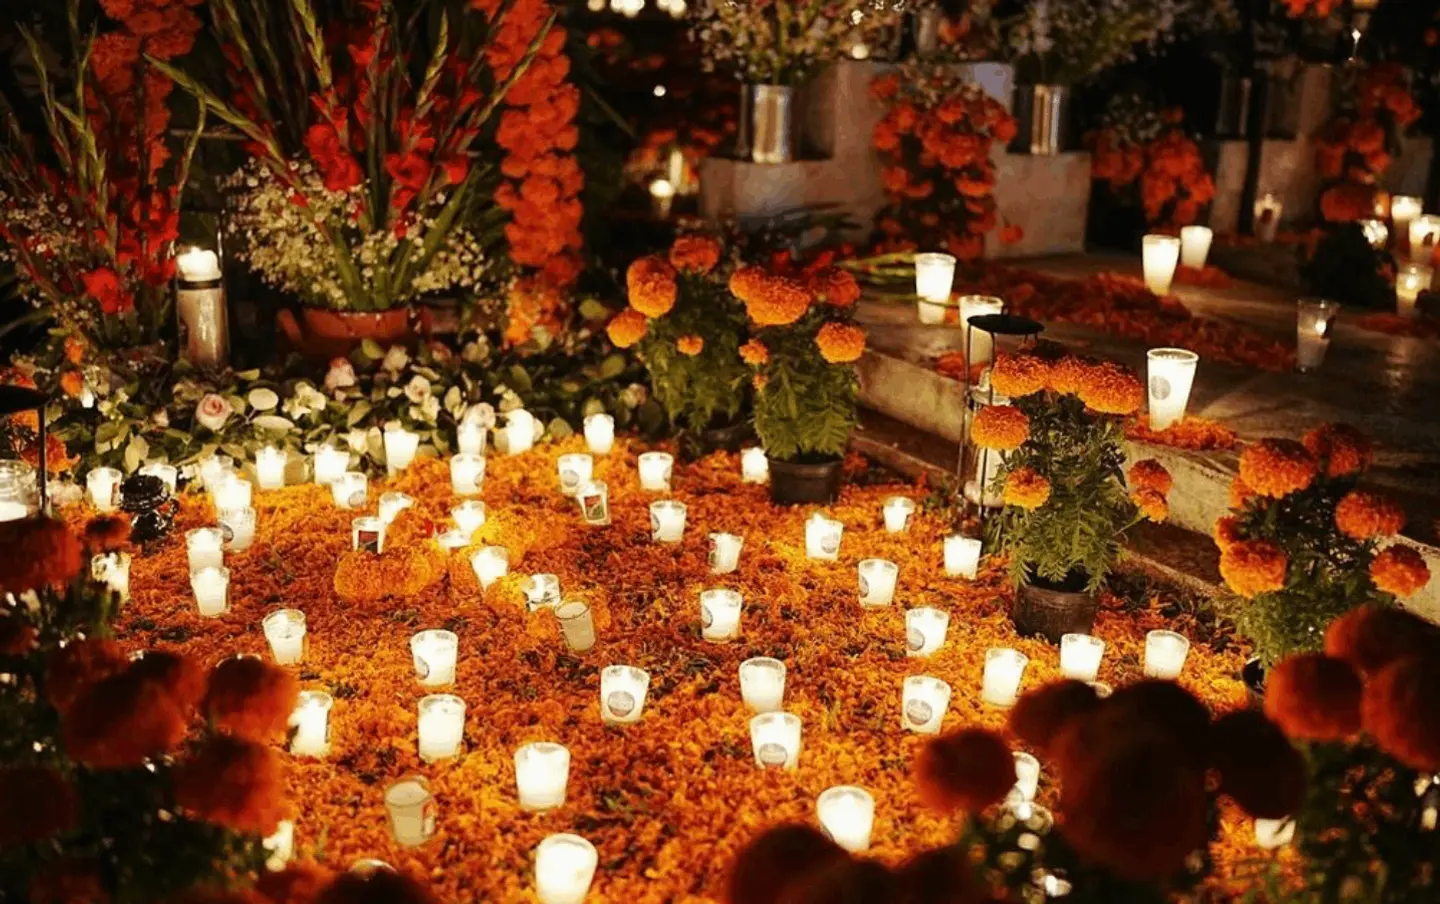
1048	197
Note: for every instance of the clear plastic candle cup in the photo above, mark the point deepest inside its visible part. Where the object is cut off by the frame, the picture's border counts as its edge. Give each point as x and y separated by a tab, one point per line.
329	464
577	625
1080	656
924	700
542	770
725	553
754	465
1171	374
491	563
599	434
367	533
847	814
656	469
1165	653
574	469
980	345
1314	326
720	615
237	526
311	720
667	521
934	277
622	693
285	632
392	504
205	548
1195	245
1159	255
925	629
270	468
877	579
113	570
542	592
442	726
412	811
350	490
822	538
400	448
762	684
775	740
104	487
467	474
1004	669
469	516
594	499
962	556
212	590
564	868
434	652
897	511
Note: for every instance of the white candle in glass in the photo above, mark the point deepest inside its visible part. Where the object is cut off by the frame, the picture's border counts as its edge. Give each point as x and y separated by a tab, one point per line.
594	499
925	629
329	463
543	591
923	702
1375	233
441	726
285	632
720	615
1004	669
1424	236
574	469
622	693
350	490
1195	245
1268	209
238	528
1411	281
491	563
1165	653
1159	255
212	590
656	469
213	468
577	625
725	552
1403	210
434	652
775	740
113	570
981	346
564	868
204	547
599	433
392	504
542	770
400	448
897	511
270	467
877	579
280	846
962	556
467	474
1274	833
469	436
1027	778
762	684
168	474
453	539
822	538
1171	373
1080	656
934	277
311	720
667	521
469	516
367	533
104	487
233	493
847	814
520	430
412	811
1315	320
754	466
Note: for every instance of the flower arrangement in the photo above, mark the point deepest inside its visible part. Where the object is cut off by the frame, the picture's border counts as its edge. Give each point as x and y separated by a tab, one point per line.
782	42
1303	542
1135	146
687	328
935	143
1354	148
1067	42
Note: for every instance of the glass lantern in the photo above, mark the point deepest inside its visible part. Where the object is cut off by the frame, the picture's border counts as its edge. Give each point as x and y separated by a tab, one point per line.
18	495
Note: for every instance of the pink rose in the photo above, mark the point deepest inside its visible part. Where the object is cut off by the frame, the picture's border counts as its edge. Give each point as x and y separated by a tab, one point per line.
213	411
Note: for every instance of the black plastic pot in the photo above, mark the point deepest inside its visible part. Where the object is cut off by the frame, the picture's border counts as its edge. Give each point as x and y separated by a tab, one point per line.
1253	674
1050	610
796	482
695	445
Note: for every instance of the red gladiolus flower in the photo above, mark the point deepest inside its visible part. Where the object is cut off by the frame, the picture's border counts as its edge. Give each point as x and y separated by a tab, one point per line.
103	285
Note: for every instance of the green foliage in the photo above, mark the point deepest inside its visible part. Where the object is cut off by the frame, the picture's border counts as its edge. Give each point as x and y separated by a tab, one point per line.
806	409
708	389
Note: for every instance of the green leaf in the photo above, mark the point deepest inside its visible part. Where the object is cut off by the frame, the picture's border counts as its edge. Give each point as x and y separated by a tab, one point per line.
519	379
248	375
560	429
135	452
590	309
612	367
357	413
372	350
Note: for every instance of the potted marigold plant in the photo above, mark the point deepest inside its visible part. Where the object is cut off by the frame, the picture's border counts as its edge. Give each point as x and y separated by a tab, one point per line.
1303	542
803	348
1067	500
687	328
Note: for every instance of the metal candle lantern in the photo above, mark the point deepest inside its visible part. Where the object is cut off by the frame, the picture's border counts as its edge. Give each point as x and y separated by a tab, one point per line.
991	325
15	399
151	508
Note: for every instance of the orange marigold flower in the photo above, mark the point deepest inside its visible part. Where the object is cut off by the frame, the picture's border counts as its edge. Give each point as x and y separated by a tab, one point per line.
1365	515
1239	493
1277	467
1111	389
627	328
748	282
840	343
16	637
1399	570
1000	427
121	722
1372	637
754	353
695	253
1227	531
37	552
1149	474
74	349
1398	711
1067	376
251	698
651	284
1040	715
107	533
73	668
1027	488
778	859
1343	449
834	286
966	770
1314	697
1151	503
777	301
39	804
1259	768
1019	375
232	783
72	383
1254	566
690	345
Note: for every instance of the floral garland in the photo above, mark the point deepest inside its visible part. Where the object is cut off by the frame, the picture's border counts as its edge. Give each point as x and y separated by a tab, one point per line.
1353	149
1174	184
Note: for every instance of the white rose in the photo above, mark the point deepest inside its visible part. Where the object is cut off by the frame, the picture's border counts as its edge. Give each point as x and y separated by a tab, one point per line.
212	411
263	399
430	409
418	389
161	418
483	415
341	374
395	359
634	395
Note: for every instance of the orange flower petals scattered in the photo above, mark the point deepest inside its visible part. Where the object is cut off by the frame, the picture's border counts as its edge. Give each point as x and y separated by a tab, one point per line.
1343	450
232	783
754	353
1019	375
650	281
1276	467
626	328
39	552
1314	697
1111	389
1398	711
1399	570
834	287
1365	515
1000	428
1027	488
966	770
1252	567
695	254
840	343
1197	434
251	699
690	345
39	804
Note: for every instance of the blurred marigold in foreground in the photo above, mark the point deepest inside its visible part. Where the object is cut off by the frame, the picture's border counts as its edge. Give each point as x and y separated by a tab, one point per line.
121	722
778	859
1259	768
695	253
250	698
834	286
1276	467
1314	697
37	552
626	328
966	770
1398	711
1372	637
232	783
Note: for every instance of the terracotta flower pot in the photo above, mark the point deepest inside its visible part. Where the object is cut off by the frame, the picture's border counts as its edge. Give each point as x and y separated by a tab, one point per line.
320	333
1050	610
795	483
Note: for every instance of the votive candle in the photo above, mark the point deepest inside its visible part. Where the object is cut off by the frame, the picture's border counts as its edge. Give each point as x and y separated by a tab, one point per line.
574	469
577	625
599	433
979	345
441	726
925	629
1195	245
847	814
311	720
213	468
934	277
469	516
720	615
285	632
329	463
434	652
622	693
822	538
270	468
113	570
762	684
897	511
1412	281
367	533
1004	669
542	770
234	492
491	563
470	438
1171	373
238	528
350	490
1267	216
594	499
1165	653
564	868
1159	255
775	740
467	473
667	521
519	431
280	845
962	556
725	552
392	504
877	582
1315	320
1274	833
1424	236
754	466
167	473
453	539
204	546
1403	211
412	811
104	486
1376	233
211	586
656	469
1080	656
924	700
543	591
400	448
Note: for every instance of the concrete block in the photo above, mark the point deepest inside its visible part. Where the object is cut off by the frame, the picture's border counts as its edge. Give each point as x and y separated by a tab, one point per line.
1231	161
1046	196
1410	170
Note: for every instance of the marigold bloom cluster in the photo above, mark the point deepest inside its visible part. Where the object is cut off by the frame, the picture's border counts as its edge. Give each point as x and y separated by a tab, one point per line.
1342	450
770	299
1366	515
651	284
754	353
626	328
1399	570
1252	567
1019	375
696	254
1277	467
834	287
690	345
1000	428
840	343
1026	488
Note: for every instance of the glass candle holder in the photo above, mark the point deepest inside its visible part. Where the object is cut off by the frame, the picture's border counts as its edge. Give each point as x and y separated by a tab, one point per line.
469	516
667	521
1271	834
542	770
311	720
113	570
1165	653
1195	245
564	868
168	474
467	474
441	727
211	586
1424	236
1171	374
453	539
1159	255
400	448
847	814
923	701
204	546
962	557
270	468
1314	324
434	652
520	431
1411	281
392	504
656	469
720	615
367	533
491	563
925	629
237	526
1027	778
594	499
543	591
822	538
599	434
574	469
470	437
19	491
897	511
1403	211
577	625
725	553
1080	656
1004	669
329	464
775	740
877	582
412	811
233	493
285	632
754	466
213	468
762	684
981	344
104	487
350	490
280	846
622	694
934	277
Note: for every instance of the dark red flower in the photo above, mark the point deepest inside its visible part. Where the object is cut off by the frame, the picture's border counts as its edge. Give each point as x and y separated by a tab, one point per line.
408	170
103	285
